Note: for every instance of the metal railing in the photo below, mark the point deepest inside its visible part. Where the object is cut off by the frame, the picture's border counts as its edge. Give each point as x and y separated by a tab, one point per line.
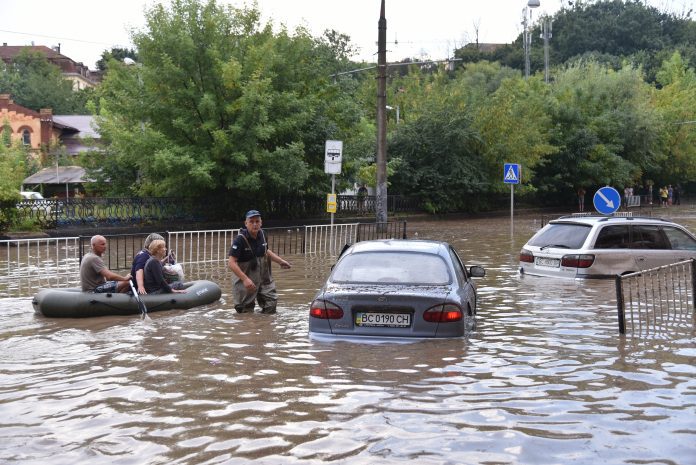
23	258
328	239
119	211
201	246
120	251
657	300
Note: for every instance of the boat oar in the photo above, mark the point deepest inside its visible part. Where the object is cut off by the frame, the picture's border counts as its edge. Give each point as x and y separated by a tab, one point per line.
141	304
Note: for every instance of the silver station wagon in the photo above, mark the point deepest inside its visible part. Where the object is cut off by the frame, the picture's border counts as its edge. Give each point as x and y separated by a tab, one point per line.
396	288
604	246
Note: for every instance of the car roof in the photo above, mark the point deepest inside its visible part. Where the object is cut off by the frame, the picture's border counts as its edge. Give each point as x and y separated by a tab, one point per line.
399	245
31	194
591	220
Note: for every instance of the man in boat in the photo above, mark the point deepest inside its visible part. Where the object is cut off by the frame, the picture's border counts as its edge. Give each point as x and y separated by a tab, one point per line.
250	261
95	276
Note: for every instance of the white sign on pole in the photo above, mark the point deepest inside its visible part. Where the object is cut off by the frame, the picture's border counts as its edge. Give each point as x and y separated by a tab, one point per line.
333	154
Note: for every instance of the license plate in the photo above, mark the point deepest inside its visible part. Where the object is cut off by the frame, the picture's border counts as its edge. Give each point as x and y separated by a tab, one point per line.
391	320
552	262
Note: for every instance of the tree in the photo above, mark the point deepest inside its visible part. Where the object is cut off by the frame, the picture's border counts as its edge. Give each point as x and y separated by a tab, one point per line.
605	130
117	54
220	103
514	124
676	102
11	177
35	83
615	30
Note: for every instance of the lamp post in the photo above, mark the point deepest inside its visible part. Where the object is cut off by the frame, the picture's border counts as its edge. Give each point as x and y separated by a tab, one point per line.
527	34
390	108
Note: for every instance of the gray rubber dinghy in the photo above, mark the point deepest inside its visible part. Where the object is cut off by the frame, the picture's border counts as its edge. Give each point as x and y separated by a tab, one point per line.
73	303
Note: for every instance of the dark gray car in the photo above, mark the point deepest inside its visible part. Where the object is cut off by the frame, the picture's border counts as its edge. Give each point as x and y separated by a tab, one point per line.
396	288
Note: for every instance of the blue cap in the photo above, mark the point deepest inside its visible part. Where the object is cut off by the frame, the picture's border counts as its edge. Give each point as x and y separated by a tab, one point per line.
252	213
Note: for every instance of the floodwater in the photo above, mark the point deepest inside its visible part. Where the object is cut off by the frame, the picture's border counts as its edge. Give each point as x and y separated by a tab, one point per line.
543	379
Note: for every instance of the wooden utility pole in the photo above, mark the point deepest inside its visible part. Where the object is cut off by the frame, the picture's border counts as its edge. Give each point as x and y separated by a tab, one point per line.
381	161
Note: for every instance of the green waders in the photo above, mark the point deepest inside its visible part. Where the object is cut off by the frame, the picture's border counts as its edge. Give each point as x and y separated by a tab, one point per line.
259	271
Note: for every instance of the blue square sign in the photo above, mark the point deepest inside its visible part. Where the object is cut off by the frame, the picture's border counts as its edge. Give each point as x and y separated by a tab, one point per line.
511	173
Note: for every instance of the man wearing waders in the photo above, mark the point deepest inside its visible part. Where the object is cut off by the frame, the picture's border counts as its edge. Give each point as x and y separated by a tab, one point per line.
250	261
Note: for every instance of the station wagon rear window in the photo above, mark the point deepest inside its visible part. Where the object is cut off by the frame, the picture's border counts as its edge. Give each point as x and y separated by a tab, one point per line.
563	235
392	267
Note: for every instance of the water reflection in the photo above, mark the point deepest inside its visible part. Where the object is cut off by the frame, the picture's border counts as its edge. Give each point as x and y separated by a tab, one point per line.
543	379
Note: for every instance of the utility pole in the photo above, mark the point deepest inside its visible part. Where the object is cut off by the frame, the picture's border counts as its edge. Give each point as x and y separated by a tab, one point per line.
546	35
381	159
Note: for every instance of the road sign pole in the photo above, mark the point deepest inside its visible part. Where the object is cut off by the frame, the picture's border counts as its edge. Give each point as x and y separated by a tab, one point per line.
512	175
333	191
512	208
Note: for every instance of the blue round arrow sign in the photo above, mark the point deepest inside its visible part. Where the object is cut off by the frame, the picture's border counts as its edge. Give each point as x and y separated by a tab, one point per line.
607	200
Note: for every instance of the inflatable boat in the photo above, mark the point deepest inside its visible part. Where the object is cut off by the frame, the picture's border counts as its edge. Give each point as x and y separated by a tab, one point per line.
73	303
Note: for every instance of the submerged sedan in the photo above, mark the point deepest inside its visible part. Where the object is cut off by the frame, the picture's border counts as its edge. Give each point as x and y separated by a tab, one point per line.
396	288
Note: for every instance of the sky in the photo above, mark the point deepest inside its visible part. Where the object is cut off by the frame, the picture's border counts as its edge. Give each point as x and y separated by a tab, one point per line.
430	29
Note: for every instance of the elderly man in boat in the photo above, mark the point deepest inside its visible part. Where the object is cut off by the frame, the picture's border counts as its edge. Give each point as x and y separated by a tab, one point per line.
95	276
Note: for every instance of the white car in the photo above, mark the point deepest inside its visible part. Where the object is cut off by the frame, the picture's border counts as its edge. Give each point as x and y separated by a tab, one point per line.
39	206
604	246
29	195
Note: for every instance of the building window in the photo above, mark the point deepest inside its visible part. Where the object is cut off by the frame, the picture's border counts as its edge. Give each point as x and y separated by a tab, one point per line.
26	137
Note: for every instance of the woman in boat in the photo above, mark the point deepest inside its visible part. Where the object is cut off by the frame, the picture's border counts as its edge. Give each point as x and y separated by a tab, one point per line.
153	272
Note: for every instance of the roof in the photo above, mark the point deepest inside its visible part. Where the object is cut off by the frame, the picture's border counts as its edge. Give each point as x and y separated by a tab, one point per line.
591	220
83	124
58	175
398	245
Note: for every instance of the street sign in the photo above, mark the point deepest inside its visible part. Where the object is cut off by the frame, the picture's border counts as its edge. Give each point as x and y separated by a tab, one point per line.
511	173
607	200
333	155
330	203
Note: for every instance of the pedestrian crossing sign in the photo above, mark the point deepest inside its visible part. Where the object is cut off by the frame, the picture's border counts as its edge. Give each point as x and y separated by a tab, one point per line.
511	173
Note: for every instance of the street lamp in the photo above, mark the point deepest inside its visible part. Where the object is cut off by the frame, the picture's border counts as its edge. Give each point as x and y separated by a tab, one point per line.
390	108
527	35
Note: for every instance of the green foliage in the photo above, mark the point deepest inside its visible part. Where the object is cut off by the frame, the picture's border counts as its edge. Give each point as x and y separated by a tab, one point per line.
11	177
220	103
441	161
6	134
605	130
676	102
24	224
514	124
35	83
608	31
115	54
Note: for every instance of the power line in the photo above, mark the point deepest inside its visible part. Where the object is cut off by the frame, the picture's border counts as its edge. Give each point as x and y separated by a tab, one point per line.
58	38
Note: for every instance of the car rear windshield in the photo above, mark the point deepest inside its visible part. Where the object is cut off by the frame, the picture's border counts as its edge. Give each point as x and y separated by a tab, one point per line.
392	267
565	235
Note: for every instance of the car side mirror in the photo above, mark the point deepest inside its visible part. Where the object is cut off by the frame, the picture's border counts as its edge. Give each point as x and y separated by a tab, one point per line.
477	271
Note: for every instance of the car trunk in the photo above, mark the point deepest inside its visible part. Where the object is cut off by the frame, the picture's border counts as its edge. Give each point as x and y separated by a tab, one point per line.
385	312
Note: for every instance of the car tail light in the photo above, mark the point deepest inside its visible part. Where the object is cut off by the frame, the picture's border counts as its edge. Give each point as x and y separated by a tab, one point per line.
526	256
325	310
577	261
443	313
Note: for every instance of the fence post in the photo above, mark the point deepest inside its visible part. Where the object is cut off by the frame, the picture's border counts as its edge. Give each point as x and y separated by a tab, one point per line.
620	304
80	248
693	287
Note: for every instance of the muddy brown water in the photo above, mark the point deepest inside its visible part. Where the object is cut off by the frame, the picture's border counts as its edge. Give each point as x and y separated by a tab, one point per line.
543	379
